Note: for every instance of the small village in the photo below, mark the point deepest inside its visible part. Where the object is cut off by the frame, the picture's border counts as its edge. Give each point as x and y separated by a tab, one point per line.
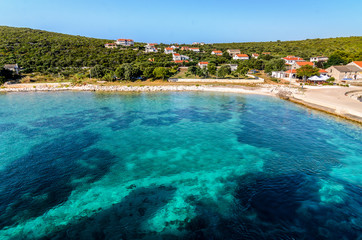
339	74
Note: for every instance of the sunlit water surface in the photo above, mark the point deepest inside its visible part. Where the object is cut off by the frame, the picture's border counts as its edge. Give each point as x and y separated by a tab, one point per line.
79	165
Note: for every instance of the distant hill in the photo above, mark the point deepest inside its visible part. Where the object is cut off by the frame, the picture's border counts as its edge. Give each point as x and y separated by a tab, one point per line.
37	50
304	48
51	53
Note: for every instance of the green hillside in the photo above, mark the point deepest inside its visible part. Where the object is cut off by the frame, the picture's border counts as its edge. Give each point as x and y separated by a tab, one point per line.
61	54
351	46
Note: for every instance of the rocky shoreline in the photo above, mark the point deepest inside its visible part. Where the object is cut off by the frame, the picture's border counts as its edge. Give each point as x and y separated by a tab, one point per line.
263	89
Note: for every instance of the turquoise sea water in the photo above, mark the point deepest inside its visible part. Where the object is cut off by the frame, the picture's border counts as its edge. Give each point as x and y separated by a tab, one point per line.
80	165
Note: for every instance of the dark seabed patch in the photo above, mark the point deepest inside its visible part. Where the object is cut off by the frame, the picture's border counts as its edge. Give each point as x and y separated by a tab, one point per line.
281	207
45	176
124	220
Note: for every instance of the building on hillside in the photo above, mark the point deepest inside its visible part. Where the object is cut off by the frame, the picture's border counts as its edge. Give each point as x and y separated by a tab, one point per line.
319	59
194	49
179	57
110	45
278	74
151	48
345	73
233	52
203	64
217	53
169	50
290	60
241	57
255	55
266	53
195	43
12	67
174	47
356	63
185	48
297	65
125	42
233	67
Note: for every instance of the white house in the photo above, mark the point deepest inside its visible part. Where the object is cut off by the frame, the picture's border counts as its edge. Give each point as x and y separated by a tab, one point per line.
290	60
233	67
203	64
319	59
12	67
194	49
241	57
278	74
217	53
125	42
110	45
151	48
255	55
169	50
179	57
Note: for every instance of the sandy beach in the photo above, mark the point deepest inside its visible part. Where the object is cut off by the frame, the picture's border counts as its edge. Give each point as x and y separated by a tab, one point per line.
339	101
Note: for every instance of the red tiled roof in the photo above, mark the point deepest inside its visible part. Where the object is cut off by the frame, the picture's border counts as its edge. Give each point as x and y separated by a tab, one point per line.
293	71
255	54
181	61
176	54
304	63
168	48
322	71
358	63
216	51
290	58
203	63
242	55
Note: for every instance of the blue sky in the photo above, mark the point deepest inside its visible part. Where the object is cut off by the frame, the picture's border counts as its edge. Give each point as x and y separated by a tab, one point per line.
188	21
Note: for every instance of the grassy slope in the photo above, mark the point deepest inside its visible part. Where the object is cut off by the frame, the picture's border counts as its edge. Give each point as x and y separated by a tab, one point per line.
43	51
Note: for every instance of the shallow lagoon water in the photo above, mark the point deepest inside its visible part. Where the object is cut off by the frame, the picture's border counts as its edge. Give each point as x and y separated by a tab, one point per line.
80	165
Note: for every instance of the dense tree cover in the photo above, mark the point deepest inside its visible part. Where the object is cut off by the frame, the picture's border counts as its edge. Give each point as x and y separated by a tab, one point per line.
350	46
67	55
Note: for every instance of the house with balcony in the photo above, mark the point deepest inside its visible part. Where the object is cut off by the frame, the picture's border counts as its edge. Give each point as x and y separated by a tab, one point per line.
241	57
125	42
319	59
194	49
217	53
203	64
110	45
298	65
151	48
290	60
233	52
179	57
169	50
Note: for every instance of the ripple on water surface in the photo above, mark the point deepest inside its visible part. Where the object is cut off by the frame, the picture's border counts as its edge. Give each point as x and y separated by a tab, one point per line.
175	166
